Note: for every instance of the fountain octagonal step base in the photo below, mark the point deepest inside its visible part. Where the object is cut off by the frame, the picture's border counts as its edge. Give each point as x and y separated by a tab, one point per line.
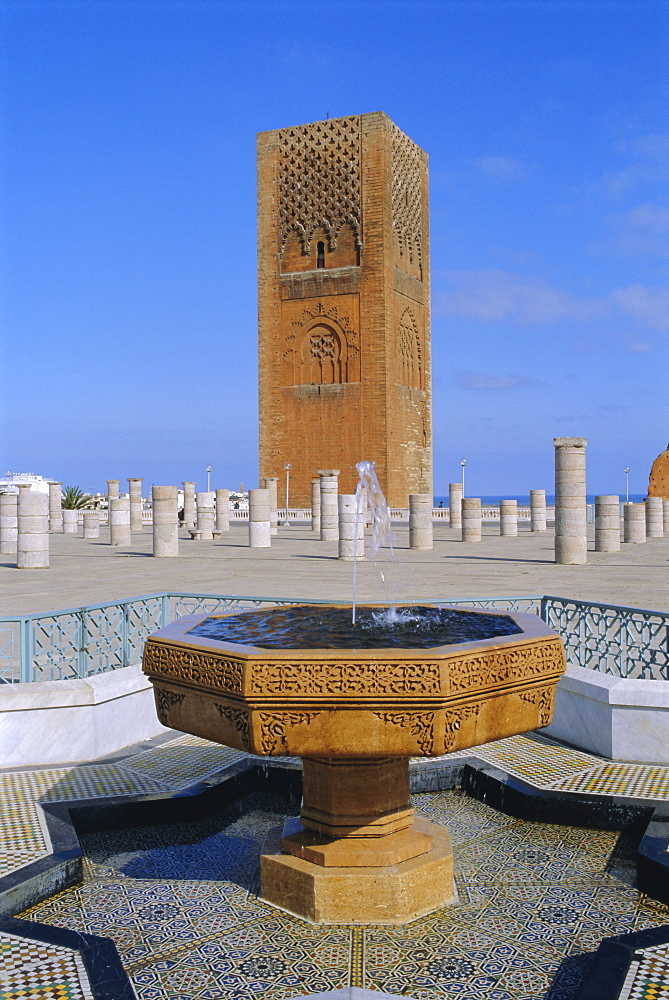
391	894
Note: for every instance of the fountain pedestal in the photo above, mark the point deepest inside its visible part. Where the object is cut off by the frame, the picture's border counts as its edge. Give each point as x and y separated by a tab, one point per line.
357	854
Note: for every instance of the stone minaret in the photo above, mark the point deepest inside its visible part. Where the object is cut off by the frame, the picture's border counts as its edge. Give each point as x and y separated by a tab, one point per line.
344	321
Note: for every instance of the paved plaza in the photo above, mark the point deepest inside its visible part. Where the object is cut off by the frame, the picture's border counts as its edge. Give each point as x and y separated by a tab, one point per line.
299	565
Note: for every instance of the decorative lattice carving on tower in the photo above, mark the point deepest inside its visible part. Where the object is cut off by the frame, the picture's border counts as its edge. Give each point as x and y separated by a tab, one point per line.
322	349
407	201
408	346
319	180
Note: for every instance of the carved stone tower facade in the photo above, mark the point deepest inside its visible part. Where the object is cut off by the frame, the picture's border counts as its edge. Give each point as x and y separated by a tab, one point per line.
344	282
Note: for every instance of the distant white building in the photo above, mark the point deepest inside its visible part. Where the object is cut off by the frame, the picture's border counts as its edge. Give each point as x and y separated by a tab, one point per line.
12	480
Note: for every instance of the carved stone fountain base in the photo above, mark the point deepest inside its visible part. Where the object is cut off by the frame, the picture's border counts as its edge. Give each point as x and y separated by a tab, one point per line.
357	854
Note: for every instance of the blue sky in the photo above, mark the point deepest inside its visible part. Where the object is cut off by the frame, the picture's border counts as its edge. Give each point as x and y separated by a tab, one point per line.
128	204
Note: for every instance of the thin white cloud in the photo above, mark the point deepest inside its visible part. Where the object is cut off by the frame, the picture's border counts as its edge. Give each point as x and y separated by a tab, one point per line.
642	230
650	306
501	168
650	163
649	218
478	382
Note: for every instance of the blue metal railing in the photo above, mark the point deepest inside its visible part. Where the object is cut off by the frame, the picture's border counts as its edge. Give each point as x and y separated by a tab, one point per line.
80	642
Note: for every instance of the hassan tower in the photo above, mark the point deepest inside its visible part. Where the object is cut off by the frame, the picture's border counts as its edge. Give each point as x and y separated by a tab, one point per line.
344	305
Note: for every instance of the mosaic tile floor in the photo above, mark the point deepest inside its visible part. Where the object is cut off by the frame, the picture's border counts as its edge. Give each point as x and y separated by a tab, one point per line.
188	760
648	976
33	971
180	904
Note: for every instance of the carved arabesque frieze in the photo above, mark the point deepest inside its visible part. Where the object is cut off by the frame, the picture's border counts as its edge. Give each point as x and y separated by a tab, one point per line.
335	678
239	719
165	700
542	699
454	719
419	724
273	727
499	666
320	180
194	667
407	198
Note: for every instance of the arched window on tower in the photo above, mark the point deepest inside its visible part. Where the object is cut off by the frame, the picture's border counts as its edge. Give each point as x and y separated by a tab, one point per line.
320	254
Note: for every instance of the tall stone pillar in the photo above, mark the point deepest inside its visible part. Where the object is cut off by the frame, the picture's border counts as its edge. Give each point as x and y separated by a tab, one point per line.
8	523
55	506
665	516
455	504
206	515
189	504
471	519
119	521
607	523
70	522
420	521
654	518
634	523
222	510
271	484
571	531
351	528
260	531
165	521
112	488
135	487
508	517
316	504
91	524
32	542
329	507
537	510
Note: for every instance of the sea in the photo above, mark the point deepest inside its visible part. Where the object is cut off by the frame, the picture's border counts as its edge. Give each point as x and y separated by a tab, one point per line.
524	499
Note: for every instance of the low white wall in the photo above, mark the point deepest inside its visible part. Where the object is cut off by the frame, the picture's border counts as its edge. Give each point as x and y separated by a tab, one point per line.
612	716
54	722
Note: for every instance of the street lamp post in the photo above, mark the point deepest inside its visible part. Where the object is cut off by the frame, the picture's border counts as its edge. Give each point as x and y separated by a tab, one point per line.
287	467
208	471
627	484
463	462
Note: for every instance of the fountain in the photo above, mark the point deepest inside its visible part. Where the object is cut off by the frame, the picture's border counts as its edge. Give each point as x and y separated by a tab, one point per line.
356	703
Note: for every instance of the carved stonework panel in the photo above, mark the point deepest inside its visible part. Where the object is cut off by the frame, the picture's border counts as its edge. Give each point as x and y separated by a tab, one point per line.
419	724
320	180
407	199
165	700
410	366
321	347
193	666
543	699
454	719
273	727
319	678
240	720
500	666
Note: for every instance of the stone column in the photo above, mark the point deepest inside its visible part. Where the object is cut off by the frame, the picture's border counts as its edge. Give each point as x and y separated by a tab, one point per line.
135	487
165	521
316	504
189	505
91	524
571	531
420	521
222	510
665	516
70	522
32	541
271	485
260	530
537	510
654	519
8	523
455	504
471	519
119	521
55	506
607	523
351	529
206	515
112	488
508	517
634	523
329	508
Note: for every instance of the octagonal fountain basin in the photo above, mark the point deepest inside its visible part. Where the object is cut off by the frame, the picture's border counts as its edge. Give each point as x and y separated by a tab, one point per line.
356	703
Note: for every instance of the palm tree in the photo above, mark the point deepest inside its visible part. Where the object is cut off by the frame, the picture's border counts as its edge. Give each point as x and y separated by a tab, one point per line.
74	498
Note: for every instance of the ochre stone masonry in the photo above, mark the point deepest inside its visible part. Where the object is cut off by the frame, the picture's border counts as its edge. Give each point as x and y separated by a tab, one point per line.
659	476
344	324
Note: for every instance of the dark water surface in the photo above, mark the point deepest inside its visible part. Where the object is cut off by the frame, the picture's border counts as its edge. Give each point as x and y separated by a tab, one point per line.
324	627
